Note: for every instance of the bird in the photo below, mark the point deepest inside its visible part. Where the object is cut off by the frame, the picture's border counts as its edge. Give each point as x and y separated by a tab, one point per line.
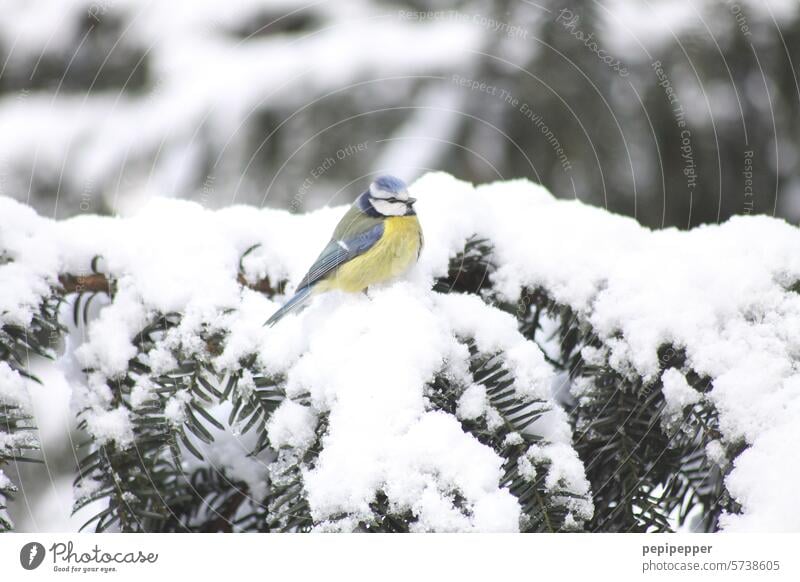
377	240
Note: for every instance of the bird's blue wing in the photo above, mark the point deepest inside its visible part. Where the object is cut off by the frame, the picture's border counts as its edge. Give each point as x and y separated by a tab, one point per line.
339	252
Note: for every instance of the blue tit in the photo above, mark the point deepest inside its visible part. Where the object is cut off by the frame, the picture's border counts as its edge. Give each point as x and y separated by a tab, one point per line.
378	239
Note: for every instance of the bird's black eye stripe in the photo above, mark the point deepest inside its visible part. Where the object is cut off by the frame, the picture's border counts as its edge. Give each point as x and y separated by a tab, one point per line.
392	199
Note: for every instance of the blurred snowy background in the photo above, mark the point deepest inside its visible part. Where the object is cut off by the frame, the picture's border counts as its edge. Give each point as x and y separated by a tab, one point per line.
677	112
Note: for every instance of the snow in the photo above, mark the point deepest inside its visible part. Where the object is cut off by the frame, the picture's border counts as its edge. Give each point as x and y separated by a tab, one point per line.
46	497
472	403
425	464
367	362
13	387
5	482
292	425
204	86
14	393
564	472
677	395
711	291
112	425
716	453
638	31
26	280
110	345
721	293
764	481
51	510
175	409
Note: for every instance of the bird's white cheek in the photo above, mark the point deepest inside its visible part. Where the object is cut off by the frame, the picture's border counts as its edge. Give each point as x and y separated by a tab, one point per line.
389	208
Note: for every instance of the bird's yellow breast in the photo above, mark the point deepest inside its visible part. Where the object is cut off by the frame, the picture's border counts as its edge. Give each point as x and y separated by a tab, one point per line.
390	257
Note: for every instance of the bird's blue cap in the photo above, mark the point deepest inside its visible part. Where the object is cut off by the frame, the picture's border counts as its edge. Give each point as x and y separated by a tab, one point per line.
388	184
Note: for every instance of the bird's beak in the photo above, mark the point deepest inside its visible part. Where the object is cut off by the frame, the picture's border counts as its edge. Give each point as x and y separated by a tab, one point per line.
411	201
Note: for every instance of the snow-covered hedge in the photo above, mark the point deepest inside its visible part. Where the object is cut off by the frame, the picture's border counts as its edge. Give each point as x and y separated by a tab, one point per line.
426	404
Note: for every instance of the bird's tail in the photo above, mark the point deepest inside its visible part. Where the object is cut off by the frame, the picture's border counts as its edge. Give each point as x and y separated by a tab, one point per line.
296	303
